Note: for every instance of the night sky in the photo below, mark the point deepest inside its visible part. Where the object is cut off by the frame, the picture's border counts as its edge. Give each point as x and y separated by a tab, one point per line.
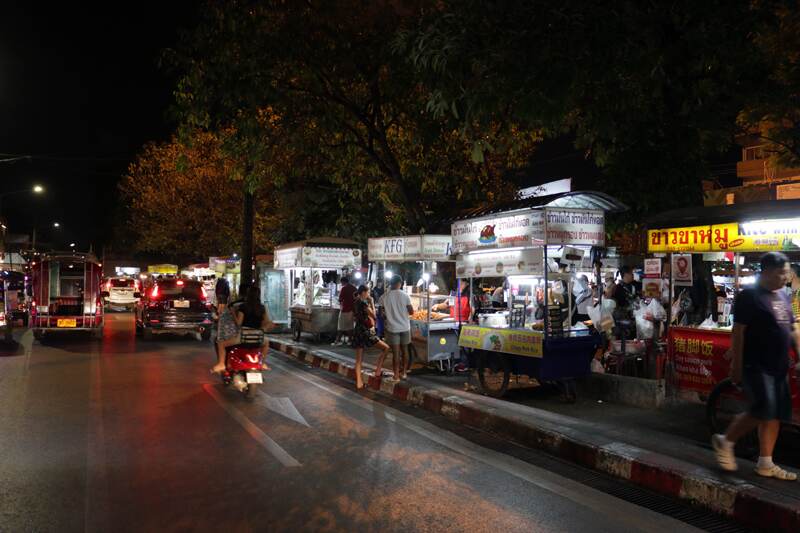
81	91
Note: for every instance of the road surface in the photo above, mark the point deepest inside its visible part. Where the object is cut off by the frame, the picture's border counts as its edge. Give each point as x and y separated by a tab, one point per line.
131	435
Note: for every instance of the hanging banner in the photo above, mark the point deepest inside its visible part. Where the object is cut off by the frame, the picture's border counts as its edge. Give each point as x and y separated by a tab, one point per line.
525	229
513	341
682	269
501	264
575	226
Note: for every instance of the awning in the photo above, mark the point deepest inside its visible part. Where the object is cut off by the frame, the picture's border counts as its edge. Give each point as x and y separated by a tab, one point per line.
321	242
721	214
569	200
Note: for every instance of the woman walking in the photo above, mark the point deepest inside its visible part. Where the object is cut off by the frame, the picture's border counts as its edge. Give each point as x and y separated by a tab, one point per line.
364	335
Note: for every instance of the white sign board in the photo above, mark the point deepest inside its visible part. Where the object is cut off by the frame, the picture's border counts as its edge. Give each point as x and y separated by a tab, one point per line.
333	258
652	268
287	258
575	226
412	248
526	229
501	263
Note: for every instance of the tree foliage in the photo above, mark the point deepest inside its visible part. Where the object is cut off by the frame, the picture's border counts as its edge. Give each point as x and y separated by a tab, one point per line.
352	111
648	89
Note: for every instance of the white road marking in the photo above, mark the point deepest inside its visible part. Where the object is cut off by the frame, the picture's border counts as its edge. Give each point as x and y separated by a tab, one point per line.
262	438
95	517
636	517
283	406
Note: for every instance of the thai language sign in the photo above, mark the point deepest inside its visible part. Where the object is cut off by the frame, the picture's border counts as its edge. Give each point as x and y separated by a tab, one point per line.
501	263
513	341
755	236
575	226
525	229
320	257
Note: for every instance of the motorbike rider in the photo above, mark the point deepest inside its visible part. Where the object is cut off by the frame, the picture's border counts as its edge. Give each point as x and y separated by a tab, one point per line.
248	314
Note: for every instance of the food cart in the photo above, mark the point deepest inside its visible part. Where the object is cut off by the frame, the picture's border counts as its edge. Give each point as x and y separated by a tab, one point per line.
434	334
311	307
716	248
537	248
66	294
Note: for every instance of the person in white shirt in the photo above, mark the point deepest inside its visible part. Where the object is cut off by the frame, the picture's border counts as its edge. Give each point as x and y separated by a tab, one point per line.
396	307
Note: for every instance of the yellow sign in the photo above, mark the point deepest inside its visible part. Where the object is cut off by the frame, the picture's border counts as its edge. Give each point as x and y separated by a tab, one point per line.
163	269
513	341
755	236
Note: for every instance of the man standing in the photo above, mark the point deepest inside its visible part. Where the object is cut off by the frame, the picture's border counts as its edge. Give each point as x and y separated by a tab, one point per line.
763	331
346	300
397	308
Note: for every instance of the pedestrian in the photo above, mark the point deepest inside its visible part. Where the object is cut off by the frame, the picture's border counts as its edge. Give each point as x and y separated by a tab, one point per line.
364	335
763	332
346	301
397	308
222	290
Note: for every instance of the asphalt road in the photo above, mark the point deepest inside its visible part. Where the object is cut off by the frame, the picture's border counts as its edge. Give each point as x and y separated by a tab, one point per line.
130	435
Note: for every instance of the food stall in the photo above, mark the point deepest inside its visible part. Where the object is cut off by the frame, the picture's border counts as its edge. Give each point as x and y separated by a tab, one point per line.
311	306
434	334
715	249
537	248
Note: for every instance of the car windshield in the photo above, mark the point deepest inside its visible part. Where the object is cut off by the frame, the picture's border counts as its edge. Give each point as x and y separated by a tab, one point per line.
173	289
121	283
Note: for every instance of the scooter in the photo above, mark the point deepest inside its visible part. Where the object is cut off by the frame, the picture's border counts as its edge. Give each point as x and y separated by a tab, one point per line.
243	365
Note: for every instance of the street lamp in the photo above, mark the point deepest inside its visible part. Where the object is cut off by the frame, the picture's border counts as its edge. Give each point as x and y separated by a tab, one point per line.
72	245
56	225
37	189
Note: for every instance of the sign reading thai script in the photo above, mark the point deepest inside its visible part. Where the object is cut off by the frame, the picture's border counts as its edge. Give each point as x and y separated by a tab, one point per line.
575	226
501	263
755	236
512	231
513	341
412	248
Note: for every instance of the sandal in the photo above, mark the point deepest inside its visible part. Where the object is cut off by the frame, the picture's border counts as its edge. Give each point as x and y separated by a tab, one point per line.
776	472
725	456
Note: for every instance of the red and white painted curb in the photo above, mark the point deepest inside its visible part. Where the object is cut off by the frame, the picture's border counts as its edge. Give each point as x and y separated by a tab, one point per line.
748	504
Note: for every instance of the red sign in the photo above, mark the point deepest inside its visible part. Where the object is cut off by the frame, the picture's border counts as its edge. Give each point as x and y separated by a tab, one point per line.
699	357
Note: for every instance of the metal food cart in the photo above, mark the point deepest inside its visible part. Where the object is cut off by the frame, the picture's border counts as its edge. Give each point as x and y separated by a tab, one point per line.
717	245
311	306
537	246
434	335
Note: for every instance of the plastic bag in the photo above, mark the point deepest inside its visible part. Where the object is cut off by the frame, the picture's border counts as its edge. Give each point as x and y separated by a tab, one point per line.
708	323
601	315
644	327
656	310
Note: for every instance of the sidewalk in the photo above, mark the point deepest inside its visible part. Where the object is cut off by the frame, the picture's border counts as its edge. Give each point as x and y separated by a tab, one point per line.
665	450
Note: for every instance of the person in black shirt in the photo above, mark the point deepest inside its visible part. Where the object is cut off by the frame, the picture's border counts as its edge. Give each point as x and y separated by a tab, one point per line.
763	331
250	314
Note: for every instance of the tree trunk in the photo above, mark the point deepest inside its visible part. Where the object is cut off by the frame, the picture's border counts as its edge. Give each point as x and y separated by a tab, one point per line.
247	238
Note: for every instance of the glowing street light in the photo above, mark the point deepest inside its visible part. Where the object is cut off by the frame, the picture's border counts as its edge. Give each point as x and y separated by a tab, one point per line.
38	189
72	245
56	225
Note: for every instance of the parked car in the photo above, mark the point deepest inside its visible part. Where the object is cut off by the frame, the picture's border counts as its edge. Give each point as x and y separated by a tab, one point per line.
122	292
174	305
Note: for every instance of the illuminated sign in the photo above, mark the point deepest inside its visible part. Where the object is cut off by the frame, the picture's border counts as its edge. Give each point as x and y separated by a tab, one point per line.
753	236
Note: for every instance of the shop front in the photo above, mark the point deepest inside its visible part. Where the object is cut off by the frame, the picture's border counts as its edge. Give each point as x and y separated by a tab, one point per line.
427	263
311	268
526	269
713	254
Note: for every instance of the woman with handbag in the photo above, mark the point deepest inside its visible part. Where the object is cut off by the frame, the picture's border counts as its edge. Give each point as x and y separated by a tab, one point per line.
364	335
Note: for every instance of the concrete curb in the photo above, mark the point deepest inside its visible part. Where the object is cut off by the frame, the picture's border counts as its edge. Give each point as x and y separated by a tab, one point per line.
748	504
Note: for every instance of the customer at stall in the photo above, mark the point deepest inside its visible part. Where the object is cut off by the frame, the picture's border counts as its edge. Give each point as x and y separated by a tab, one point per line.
364	335
397	308
346	300
763	332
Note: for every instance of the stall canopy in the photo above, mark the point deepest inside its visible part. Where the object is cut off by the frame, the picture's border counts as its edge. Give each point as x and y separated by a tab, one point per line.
593	200
753	227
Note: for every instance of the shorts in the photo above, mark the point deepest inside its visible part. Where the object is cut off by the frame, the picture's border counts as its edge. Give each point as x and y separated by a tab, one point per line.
345	321
769	395
397	339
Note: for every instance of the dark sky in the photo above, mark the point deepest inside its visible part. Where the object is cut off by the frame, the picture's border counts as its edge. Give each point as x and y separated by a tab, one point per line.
81	91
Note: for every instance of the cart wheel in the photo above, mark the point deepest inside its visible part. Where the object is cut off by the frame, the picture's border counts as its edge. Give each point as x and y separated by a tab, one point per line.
297	330
718	418
494	384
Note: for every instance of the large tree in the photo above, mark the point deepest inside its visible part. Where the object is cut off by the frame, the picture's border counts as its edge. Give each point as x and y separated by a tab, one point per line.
347	102
648	89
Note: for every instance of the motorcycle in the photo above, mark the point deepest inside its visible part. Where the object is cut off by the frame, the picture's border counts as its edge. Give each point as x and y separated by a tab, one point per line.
243	365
